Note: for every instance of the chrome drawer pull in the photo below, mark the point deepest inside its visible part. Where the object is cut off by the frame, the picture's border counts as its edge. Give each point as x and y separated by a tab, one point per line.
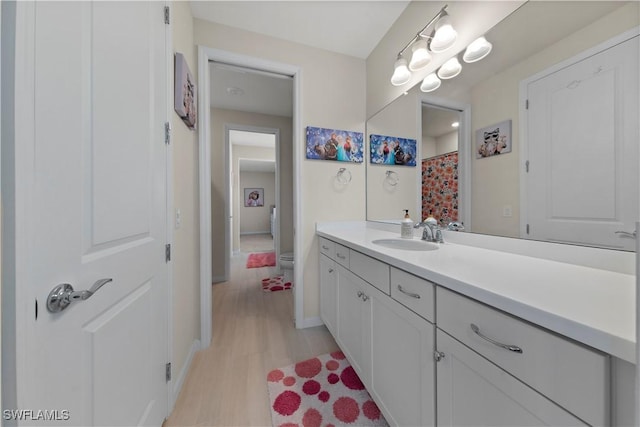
326	248
626	234
513	348
411	294
331	270
341	256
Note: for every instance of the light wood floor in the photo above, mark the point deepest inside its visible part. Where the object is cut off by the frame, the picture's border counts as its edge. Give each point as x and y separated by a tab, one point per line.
253	333
256	243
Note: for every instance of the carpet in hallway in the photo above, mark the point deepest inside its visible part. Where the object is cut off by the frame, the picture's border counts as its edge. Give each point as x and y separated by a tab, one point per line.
261	259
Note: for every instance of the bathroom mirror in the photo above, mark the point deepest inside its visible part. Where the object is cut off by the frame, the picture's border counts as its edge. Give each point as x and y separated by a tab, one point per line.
490	193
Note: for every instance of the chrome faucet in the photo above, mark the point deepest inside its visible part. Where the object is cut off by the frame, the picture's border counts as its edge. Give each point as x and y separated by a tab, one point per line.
430	232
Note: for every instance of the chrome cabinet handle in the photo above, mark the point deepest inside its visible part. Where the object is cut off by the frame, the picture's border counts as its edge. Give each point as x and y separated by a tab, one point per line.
411	294
63	295
331	270
326	248
360	294
341	256
513	348
627	234
365	297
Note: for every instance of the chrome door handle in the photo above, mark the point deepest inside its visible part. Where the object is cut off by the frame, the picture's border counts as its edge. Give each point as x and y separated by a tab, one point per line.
627	234
62	295
411	294
513	348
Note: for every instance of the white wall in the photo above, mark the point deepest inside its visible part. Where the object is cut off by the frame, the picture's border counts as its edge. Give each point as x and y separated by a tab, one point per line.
332	96
496	99
447	143
257	219
186	240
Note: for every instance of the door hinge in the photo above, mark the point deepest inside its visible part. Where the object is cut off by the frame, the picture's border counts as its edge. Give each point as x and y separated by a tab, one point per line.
167	15
167	133
526	104
167	372
526	166
438	355
167	252
527	228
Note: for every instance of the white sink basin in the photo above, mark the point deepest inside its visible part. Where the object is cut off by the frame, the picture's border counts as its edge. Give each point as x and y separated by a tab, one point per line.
407	245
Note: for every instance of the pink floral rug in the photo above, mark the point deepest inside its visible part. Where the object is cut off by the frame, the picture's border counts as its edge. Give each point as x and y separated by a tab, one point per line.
323	391
261	259
275	283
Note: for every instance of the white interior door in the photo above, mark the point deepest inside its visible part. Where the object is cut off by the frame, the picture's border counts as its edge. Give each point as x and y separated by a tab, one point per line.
582	143
99	182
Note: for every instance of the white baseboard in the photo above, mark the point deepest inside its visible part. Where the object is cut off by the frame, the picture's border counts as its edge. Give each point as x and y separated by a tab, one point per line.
310	322
218	279
247	233
179	380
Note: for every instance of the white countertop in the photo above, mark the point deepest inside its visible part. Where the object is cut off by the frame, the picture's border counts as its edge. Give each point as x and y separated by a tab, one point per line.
592	306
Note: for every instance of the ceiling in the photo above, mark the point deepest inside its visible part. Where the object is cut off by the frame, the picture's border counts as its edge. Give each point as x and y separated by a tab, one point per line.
254	139
352	28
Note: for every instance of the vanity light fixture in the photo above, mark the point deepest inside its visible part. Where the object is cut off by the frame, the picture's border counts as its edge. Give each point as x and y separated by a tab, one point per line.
430	83
401	73
420	54
477	50
450	69
444	35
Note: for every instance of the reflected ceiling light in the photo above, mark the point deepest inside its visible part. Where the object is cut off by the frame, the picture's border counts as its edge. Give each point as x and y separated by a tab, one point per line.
450	69
477	50
420	57
430	83
455	124
444	36
401	73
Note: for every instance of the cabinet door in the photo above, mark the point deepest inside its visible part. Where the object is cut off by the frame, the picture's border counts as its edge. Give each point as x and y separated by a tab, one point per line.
328	293
474	392
353	309
402	366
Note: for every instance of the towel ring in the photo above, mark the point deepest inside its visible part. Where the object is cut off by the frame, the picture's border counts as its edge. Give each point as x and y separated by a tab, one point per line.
392	178
343	176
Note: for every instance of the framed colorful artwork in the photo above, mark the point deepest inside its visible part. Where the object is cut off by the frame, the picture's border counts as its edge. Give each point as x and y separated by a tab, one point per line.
333	144
253	197
390	150
185	92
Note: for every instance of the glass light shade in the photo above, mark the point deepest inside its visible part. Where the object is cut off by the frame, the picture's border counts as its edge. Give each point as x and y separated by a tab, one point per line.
401	73
444	36
420	57
430	83
450	69
477	50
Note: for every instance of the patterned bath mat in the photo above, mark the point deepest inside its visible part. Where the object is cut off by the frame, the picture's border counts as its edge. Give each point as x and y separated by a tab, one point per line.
261	259
321	391
275	283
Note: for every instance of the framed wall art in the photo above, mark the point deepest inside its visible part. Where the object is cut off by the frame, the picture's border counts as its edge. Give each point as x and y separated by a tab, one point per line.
253	197
333	144
185	94
390	150
493	140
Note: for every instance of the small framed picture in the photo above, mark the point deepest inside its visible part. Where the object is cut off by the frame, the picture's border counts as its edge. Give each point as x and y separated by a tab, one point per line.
185	92
493	140
253	197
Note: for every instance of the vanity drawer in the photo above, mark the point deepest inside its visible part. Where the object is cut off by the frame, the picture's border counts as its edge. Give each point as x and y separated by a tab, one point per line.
572	375
327	247
370	269
414	293
342	255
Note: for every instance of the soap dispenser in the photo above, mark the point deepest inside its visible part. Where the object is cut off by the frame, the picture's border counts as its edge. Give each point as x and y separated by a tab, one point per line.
406	227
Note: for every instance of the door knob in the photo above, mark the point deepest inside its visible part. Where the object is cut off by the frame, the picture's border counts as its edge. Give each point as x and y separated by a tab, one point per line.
62	295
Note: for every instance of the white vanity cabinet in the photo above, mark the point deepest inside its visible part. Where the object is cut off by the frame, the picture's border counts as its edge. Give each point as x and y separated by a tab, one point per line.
543	379
389	346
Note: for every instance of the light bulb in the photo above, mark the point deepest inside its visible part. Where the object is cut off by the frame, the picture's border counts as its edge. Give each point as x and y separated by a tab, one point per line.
430	83
401	73
477	50
444	36
420	57
450	69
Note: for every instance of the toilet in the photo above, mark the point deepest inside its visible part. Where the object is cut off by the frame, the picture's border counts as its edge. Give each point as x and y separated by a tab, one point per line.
286	265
